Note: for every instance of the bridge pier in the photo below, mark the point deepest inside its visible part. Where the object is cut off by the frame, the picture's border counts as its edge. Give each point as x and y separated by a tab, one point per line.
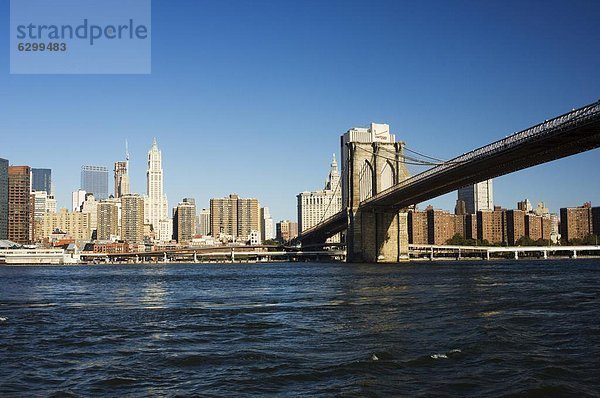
377	237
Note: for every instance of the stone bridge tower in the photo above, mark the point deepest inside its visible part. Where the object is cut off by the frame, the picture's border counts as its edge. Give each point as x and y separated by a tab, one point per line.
373	161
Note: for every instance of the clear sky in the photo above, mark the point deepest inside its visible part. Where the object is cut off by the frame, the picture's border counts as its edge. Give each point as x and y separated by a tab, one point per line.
252	96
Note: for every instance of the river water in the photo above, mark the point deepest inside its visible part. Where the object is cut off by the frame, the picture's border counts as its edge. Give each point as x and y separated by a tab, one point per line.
499	328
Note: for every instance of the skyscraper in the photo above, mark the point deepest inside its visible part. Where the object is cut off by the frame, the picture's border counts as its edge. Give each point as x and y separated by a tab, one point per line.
234	217
122	176
184	221
20	209
155	202
316	206
204	227
41	180
267	226
477	197
94	179
3	199
77	199
132	219
108	220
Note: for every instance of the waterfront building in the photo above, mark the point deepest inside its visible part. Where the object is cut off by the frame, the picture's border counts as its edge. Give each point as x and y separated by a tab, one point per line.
132	218
286	230
3	199
204	222
77	199
20	205
254	238
533	226
108	221
184	221
418	231
267	226
41	180
440	226
316	206
491	225
477	197
234	217
94	179
74	225
155	201
576	222
515	224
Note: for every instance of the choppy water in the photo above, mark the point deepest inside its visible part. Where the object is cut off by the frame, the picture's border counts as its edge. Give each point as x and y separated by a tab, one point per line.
427	329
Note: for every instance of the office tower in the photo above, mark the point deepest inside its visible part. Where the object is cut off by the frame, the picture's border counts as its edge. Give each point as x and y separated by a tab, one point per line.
541	210
20	205
204	221
41	180
234	217
122	175
108	221
94	179
76	225
77	199
184	221
121	179
477	197
41	204
3	199
132	218
286	231
316	206
155	201
267	226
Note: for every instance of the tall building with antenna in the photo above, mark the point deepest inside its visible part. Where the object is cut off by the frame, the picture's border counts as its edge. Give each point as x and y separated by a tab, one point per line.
122	186
316	206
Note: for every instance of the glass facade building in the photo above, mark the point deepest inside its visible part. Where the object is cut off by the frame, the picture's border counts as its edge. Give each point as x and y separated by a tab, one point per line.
94	179
41	180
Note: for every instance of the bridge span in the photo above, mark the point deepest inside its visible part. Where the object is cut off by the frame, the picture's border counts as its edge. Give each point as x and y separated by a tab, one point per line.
376	224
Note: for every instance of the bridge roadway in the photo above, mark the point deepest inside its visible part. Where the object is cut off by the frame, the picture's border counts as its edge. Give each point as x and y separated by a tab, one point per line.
574	132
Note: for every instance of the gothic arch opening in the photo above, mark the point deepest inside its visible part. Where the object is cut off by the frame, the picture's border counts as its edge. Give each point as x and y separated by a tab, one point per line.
365	181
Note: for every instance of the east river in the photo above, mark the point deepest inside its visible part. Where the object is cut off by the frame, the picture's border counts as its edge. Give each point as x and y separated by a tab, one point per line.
479	329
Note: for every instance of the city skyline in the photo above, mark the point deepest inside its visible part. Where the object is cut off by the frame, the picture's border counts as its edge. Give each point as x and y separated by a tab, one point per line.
485	68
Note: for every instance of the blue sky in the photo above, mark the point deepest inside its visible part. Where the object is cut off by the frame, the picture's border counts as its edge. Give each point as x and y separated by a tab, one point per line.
251	97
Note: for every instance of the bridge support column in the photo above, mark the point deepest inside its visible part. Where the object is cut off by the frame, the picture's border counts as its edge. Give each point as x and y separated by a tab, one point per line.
516	255
574	254
377	237
545	255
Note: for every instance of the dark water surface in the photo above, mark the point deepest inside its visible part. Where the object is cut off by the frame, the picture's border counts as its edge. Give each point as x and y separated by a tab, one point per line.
426	329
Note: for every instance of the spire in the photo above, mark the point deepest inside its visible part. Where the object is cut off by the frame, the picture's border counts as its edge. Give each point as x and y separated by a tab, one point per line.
154	144
126	151
333	163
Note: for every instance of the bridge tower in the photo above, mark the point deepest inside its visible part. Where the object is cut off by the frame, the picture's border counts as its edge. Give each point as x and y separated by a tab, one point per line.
373	161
